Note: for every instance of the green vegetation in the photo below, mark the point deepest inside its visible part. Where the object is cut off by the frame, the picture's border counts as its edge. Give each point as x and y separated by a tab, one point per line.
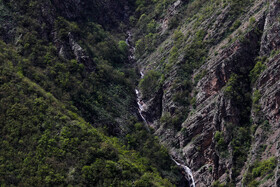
220	142
260	169
153	154
123	48
146	35
195	52
150	83
218	184
147	44
67	96
232	89
241	145
238	91
199	76
72	80
193	102
66	119
256	97
258	69
172	122
237	7
235	25
45	143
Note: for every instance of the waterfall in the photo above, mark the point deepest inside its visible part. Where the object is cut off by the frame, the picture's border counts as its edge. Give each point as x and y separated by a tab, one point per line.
141	104
188	172
141	108
142	74
131	48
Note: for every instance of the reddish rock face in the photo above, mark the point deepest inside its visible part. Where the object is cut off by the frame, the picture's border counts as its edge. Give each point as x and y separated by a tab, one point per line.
195	144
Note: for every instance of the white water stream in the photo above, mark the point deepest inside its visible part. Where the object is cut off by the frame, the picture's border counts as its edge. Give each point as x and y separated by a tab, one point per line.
142	107
131	48
188	172
140	103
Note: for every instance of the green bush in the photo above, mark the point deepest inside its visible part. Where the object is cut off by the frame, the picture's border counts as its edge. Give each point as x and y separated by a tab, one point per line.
264	167
193	102
259	170
257	70
199	76
150	83
256	97
232	87
240	143
235	25
152	26
252	21
123	47
218	184
173	23
220	141
173	55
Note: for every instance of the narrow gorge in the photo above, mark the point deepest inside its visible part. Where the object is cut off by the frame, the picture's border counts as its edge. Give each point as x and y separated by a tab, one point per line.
140	93
142	107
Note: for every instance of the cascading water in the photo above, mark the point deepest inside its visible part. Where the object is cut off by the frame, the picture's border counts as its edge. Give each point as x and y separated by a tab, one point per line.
188	172
142	74
131	48
142	107
140	103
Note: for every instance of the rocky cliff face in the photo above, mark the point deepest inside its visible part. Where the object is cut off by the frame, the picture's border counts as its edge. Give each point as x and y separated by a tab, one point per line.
233	123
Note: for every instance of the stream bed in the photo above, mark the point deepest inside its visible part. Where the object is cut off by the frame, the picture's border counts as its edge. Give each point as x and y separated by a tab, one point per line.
141	108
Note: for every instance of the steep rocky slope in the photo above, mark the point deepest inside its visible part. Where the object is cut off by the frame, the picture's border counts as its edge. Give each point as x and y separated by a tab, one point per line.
208	74
216	104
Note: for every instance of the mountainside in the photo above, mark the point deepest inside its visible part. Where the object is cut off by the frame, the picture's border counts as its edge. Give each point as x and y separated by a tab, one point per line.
68	113
140	93
214	69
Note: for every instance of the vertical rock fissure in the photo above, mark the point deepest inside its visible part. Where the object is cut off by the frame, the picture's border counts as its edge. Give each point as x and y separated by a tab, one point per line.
241	100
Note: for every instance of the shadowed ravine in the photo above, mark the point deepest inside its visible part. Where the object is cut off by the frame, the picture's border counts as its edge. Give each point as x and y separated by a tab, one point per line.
141	107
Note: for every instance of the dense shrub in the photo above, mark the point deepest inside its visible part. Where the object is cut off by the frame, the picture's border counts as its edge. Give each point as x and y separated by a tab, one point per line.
260	169
256	97
220	141
150	83
43	142
241	145
257	70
